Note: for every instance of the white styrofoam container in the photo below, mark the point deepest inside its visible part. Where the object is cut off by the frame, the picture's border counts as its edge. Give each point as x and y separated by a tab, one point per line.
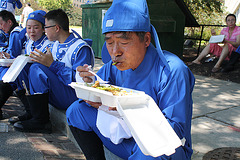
6	62
107	98
149	127
16	68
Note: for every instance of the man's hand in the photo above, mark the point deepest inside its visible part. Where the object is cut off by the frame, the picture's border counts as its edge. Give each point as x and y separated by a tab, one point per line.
4	55
94	104
40	57
84	73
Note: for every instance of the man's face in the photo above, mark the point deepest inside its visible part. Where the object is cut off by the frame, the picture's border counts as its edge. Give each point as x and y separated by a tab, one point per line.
5	26
127	50
50	30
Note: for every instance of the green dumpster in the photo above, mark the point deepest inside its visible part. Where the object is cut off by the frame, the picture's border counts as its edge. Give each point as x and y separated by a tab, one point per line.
92	16
169	17
169	22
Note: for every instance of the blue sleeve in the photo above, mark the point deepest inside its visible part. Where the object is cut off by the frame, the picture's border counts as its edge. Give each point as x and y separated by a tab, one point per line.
15	45
175	100
238	50
18	4
15	3
66	74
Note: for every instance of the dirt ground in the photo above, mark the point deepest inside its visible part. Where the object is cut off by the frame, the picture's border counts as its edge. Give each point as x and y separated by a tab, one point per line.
205	68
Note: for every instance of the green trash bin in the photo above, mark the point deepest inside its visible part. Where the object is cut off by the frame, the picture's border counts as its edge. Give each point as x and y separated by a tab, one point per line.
92	17
169	17
169	22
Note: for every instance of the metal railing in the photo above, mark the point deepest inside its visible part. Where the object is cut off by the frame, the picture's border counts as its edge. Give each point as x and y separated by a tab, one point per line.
200	39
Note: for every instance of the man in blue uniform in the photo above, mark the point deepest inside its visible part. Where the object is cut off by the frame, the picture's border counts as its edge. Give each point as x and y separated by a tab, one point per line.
141	66
37	39
15	47
49	78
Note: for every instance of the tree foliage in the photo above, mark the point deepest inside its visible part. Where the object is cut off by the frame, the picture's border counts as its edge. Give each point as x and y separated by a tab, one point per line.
206	12
75	16
74	13
55	4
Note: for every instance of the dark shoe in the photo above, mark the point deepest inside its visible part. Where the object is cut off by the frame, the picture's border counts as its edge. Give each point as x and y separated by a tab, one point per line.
33	126
24	117
40	121
21	95
39	107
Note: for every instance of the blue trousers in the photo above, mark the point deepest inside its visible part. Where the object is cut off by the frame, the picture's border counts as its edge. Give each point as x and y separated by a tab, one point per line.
42	80
23	76
83	116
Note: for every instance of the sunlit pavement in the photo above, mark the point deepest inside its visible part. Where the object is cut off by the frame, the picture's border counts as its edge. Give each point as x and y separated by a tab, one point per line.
216	116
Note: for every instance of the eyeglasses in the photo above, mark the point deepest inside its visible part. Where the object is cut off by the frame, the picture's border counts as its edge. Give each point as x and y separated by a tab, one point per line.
49	26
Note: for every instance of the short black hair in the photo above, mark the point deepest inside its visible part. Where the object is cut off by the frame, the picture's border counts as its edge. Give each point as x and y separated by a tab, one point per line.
231	15
6	15
60	17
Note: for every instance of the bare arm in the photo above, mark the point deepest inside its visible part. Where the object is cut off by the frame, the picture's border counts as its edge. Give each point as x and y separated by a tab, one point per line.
235	44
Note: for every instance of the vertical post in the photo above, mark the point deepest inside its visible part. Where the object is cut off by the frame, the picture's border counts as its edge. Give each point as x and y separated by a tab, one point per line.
200	40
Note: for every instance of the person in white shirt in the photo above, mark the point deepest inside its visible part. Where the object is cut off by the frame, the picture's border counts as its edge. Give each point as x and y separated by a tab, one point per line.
26	11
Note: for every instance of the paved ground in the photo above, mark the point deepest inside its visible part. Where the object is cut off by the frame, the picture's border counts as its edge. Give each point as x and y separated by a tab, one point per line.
16	145
216	116
215	124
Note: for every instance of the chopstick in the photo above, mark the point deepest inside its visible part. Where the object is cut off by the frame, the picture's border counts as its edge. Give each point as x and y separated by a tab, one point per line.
24	85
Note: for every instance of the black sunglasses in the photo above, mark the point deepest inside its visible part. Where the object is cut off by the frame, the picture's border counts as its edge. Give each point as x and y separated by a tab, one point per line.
49	26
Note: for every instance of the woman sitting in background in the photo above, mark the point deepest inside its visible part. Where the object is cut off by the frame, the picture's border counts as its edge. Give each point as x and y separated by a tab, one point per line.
231	42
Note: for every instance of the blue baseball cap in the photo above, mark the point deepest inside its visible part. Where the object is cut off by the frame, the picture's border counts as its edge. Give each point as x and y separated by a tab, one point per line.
127	15
131	16
38	16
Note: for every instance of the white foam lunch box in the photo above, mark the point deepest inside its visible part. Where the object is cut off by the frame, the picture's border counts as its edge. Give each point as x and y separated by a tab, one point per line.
150	129
6	62
16	67
85	92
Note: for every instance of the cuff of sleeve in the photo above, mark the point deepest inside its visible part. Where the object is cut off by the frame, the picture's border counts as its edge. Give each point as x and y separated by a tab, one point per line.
56	66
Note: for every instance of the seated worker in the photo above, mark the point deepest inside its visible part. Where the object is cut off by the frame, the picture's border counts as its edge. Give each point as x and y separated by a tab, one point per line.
37	40
3	40
49	78
231	42
141	66
10	5
15	47
16	41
